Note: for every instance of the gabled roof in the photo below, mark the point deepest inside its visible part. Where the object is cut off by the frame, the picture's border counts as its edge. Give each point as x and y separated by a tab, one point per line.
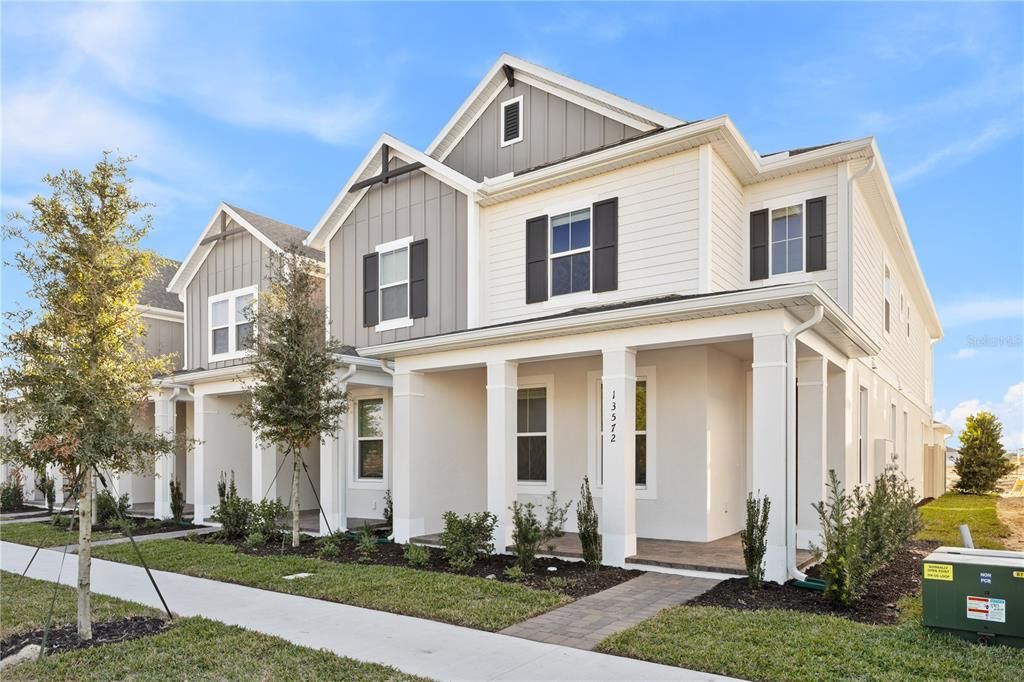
587	96
274	234
154	292
371	166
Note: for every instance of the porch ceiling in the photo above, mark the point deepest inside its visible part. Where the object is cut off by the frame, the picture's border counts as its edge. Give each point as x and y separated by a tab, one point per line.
799	299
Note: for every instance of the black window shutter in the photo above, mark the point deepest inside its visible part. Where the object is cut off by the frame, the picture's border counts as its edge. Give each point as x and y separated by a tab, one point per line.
606	245
537	259
759	245
371	282
816	234
418	278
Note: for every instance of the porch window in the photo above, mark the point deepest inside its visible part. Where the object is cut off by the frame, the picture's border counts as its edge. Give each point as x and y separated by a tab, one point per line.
230	329
570	252
370	438
532	436
641	432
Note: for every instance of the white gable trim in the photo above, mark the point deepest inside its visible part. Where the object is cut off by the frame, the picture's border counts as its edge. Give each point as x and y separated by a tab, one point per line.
601	101
345	202
199	252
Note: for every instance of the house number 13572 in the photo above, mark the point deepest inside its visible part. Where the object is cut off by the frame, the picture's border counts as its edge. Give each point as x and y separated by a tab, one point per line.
614	417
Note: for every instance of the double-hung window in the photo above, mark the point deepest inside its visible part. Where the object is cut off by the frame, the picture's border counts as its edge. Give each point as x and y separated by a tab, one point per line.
570	252
787	240
394	285
231	329
887	291
370	439
532	435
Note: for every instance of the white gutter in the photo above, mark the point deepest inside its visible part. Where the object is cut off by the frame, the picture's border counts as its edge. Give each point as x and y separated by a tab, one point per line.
849	227
819	313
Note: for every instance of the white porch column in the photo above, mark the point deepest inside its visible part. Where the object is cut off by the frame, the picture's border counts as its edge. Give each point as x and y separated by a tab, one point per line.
769	445
164	425
812	446
404	404
502	393
333	463
264	466
202	505
618	505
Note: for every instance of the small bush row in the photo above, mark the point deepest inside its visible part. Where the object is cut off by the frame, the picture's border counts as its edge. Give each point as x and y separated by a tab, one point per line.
241	518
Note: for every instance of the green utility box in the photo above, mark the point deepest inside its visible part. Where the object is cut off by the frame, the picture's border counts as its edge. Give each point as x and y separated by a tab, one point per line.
976	594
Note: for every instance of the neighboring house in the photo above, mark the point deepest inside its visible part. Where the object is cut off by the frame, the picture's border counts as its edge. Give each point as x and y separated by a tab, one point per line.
224	273
569	284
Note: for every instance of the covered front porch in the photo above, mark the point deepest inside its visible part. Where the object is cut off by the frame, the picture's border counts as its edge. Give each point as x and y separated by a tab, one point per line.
672	422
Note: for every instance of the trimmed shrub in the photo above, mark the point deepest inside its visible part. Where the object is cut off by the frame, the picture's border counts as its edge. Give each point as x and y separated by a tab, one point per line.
586	521
234	513
389	508
515	573
177	502
754	538
329	546
46	485
527	534
554	525
366	543
254	540
862	531
11	496
467	537
109	509
982	460
265	516
417	556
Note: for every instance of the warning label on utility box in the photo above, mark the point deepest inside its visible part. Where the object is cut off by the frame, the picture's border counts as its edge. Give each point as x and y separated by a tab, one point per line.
938	571
986	608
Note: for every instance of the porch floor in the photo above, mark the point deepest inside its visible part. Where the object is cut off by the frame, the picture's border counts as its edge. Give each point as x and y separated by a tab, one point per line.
146	509
724	555
309	519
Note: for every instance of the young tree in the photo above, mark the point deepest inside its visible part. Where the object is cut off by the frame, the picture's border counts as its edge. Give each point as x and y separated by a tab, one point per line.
982	459
294	398
74	374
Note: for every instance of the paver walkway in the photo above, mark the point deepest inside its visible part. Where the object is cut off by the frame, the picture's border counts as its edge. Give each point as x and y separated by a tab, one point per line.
420	647
587	621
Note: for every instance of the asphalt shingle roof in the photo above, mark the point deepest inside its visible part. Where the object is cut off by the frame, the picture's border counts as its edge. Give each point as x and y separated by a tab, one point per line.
154	291
280	233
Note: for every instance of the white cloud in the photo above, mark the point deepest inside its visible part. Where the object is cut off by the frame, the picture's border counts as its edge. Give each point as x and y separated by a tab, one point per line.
1009	410
965	353
981	309
961	151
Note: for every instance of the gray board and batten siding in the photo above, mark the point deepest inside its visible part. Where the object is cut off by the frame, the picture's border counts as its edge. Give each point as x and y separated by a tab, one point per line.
234	262
414	204
164	337
553	129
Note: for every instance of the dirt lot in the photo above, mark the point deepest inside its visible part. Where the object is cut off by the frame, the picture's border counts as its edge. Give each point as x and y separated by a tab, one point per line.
1011	512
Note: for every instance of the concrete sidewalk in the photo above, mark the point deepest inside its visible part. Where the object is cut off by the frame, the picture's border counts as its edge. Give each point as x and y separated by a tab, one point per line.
421	647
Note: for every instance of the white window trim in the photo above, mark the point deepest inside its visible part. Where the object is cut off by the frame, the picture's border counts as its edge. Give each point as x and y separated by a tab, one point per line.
574	295
501	121
547	382
650	375
233	353
398	322
800	275
354	482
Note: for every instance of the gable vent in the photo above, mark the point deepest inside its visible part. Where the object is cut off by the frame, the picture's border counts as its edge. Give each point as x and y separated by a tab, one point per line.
511	121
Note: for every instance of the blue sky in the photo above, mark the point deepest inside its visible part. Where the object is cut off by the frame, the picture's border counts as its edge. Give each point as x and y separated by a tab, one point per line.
270	106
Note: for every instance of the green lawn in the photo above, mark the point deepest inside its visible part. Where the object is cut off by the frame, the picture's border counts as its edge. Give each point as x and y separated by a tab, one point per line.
193	648
45	534
943	516
462	600
790	646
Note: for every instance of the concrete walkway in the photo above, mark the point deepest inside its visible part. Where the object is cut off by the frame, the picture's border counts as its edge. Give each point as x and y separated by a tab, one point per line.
585	622
146	537
421	647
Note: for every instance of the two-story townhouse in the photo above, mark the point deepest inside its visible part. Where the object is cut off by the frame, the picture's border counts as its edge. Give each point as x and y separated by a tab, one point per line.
226	270
569	284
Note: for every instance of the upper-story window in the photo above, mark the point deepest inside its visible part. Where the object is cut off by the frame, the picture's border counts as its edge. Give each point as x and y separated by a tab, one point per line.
394	284
511	121
570	252
888	299
787	251
230	328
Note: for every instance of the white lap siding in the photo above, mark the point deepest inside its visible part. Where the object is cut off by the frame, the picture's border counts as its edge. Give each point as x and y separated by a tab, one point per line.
728	229
658	235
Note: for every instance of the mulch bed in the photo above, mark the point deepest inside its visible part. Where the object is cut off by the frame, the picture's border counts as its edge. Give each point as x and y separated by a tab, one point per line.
66	638
878	605
580	581
151	526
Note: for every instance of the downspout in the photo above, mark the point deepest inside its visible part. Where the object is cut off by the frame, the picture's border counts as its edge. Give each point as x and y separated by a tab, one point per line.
816	317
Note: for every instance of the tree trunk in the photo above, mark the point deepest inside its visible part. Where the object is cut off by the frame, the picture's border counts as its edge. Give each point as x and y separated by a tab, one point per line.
85	506
296	463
